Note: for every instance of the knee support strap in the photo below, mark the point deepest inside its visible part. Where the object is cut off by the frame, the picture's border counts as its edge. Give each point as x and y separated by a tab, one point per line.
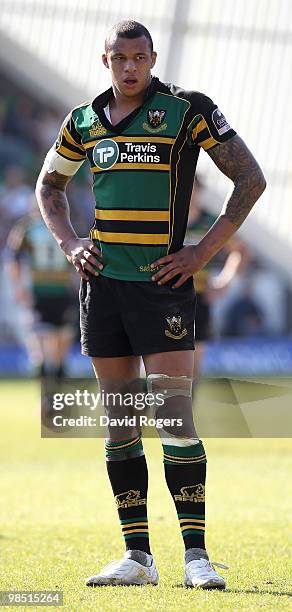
175	414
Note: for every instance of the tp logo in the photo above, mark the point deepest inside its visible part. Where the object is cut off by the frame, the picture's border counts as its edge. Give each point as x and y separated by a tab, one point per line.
105	154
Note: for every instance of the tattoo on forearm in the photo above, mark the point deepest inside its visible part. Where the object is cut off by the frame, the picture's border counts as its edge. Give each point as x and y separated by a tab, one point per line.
53	201
235	160
52	194
54	206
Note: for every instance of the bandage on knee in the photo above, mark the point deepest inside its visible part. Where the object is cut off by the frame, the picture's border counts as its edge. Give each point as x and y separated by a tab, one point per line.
174	419
172	386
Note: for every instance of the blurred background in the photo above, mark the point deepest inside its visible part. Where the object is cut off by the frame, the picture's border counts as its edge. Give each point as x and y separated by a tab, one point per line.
237	52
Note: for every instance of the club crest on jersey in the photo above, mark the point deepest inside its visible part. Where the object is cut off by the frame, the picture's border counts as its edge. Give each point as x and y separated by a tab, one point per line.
129	498
155	120
97	129
193	493
175	330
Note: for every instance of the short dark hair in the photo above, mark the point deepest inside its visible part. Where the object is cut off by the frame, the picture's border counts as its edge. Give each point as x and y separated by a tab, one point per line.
127	29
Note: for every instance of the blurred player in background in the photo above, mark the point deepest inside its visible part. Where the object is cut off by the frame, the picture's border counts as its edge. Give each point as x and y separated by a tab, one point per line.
209	284
142	139
15	198
43	282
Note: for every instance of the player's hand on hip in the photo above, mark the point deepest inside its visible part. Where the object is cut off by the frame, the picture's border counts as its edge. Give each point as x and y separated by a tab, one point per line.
183	263
80	253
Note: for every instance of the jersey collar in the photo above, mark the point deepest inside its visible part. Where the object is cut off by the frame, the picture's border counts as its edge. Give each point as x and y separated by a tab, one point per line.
101	101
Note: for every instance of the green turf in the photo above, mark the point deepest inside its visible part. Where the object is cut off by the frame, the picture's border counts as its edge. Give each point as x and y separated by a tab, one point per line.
58	522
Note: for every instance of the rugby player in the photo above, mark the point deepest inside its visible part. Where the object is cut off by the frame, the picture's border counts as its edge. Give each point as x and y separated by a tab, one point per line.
142	138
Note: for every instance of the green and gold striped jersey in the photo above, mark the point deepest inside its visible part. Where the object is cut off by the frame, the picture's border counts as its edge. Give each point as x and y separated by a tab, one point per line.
143	171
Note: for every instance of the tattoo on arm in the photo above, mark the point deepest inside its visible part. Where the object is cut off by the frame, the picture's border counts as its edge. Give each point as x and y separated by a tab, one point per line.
235	160
52	196
53	204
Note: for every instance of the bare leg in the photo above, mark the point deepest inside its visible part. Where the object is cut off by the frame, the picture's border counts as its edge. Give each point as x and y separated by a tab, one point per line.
174	364
114	374
116	368
125	459
183	453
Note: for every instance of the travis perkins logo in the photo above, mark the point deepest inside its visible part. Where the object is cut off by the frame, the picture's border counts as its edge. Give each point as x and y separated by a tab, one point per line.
107	153
129	498
194	493
155	119
140	153
175	330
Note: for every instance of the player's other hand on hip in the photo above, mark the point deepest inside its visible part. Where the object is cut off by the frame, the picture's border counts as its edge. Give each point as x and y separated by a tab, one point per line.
183	263
81	253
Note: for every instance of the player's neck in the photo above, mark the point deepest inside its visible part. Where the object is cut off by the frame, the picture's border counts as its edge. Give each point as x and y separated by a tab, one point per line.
126	103
121	108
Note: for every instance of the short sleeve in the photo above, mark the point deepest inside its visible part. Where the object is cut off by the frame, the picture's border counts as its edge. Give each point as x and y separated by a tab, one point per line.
209	126
67	154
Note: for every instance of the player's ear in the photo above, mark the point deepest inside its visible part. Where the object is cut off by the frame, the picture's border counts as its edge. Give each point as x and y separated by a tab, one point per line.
104	60
153	58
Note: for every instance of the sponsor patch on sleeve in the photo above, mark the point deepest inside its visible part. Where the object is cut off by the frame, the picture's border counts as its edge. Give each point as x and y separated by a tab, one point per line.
220	122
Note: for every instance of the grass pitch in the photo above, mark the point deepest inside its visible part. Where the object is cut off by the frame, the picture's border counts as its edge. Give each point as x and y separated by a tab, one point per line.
58	523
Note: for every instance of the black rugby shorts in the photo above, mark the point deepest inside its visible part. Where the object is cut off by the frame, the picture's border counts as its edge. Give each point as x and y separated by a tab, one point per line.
120	318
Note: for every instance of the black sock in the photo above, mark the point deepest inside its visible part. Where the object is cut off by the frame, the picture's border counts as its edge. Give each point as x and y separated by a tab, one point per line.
185	473
128	474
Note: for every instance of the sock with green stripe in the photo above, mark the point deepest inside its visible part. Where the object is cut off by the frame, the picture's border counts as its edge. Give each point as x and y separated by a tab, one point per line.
185	473
128	474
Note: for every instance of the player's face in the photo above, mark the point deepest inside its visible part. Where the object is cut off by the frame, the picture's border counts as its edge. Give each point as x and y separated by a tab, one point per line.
130	62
